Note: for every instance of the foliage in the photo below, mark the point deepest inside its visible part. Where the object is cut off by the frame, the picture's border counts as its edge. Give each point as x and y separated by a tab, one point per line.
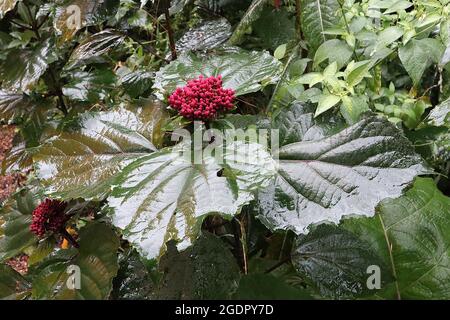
302	188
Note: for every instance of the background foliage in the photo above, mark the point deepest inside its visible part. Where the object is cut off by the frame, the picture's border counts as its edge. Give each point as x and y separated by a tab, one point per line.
357	89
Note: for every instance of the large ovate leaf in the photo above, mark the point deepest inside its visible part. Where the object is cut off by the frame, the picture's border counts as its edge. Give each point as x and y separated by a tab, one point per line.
207	35
94	48
412	234
336	262
347	173
316	17
207	270
252	14
165	196
97	261
83	162
241	70
6	5
23	68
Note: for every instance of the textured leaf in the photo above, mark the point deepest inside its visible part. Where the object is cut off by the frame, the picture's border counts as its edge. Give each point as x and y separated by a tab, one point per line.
267	287
6	5
412	234
207	270
439	116
135	83
242	71
252	14
94	48
336	262
23	68
165	196
297	123
207	35
98	265
82	163
91	12
418	55
343	174
316	17
333	51
90	86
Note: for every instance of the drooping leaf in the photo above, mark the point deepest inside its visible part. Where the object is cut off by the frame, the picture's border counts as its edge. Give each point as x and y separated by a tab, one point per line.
97	261
165	196
207	35
347	173
207	270
6	5
82	163
94	48
411	233
252	14
316	17
336	262
23	68
241	70
267	287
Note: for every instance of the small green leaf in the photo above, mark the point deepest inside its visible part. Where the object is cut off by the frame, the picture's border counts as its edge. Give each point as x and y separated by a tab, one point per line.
280	52
326	102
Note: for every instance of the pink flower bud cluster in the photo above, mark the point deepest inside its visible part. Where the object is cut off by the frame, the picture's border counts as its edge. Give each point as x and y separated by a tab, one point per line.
202	99
49	216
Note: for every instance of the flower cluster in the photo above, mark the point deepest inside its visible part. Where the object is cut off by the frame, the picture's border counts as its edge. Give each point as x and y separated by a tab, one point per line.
48	216
202	99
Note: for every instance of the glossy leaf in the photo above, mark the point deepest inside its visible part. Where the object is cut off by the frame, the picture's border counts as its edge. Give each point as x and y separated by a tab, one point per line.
252	14
67	22
15	229
135	83
336	262
242	71
316	17
411	234
207	35
6	5
347	173
97	261
439	116
90	86
23	68
12	284
165	196
94	48
83	163
207	270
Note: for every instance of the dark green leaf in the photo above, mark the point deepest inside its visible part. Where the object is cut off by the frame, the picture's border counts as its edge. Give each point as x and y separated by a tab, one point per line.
207	270
348	173
336	262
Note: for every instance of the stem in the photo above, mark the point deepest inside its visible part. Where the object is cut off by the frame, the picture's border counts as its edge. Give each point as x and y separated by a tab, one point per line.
170	33
298	21
341	5
240	249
